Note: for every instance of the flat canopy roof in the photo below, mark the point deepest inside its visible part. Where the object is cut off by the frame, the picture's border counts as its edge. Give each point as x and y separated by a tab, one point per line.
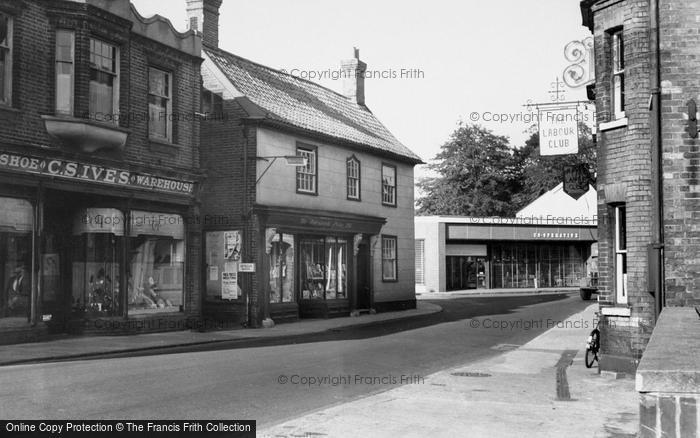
481	232
542	219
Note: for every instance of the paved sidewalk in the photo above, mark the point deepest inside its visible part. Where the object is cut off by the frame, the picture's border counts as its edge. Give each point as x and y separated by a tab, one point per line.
512	395
92	346
495	292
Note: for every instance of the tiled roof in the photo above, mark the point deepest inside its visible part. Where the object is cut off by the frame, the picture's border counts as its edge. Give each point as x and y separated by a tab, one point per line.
306	105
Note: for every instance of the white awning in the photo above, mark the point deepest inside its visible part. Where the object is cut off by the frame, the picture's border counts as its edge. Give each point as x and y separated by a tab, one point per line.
16	215
148	223
99	220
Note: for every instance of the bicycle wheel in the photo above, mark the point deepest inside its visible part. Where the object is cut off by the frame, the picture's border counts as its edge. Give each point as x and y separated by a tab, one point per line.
591	357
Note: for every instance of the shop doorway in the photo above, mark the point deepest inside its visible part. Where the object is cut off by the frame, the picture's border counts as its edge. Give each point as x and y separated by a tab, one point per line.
364	300
465	272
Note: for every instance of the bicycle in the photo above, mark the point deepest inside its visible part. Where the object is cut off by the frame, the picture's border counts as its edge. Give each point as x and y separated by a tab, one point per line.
592	347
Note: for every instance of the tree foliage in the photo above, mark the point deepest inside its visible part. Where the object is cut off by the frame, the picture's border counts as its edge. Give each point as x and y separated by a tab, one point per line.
479	174
474	175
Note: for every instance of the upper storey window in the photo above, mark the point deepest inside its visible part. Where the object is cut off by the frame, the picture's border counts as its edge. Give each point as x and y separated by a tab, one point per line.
5	59
618	75
104	81
159	104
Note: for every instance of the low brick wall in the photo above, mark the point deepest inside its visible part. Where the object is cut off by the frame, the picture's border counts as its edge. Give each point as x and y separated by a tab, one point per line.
668	377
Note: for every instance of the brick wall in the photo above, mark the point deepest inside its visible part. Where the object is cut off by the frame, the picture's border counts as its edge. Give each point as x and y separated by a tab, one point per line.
226	145
34	82
624	158
33	89
681	161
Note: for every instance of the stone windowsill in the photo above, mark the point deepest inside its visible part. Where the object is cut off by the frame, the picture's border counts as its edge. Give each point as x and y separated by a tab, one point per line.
670	362
606	126
615	311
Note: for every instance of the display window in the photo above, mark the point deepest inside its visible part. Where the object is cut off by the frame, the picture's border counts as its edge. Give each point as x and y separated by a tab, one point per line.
281	262
543	265
156	269
16	227
323	268
97	247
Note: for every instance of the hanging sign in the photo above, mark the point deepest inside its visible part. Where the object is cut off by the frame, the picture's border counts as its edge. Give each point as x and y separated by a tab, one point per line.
558	131
576	180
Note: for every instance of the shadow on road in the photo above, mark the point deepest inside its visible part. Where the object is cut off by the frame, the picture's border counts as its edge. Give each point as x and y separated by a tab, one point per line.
453	310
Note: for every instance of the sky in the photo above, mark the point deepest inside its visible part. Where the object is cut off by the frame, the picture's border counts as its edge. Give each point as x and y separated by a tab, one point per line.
470	60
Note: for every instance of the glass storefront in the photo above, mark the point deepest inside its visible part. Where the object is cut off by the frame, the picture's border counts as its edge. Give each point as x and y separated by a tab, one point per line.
465	272
521	265
156	263
96	254
16	225
323	268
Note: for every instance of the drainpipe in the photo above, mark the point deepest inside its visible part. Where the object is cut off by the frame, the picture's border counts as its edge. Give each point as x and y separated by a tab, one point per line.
657	245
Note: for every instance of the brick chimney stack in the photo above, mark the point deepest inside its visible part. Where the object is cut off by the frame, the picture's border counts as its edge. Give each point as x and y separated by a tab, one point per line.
203	16
354	78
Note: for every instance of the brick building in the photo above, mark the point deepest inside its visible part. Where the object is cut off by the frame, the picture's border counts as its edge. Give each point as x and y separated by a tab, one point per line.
99	170
648	166
306	184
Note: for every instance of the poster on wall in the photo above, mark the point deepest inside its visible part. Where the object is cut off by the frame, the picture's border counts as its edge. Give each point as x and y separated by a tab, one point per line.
223	254
232	246
229	285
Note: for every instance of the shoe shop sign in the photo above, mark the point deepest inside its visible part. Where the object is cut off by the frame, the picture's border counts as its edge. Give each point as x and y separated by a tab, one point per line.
75	170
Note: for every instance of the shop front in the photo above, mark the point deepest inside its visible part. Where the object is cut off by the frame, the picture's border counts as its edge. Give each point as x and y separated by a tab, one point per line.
316	264
85	255
501	253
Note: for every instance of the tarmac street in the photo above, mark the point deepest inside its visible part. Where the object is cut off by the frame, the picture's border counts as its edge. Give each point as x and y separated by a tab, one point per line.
510	395
469	356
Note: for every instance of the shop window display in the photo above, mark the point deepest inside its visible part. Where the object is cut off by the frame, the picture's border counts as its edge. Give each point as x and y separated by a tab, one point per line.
323	268
16	225
96	274
155	274
15	250
98	245
281	262
156	269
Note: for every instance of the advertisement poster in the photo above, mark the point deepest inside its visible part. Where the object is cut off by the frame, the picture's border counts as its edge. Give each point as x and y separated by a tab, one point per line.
232	246
229	285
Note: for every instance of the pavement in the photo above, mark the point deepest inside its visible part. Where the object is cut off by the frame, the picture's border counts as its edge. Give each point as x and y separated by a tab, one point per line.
84	347
540	389
495	292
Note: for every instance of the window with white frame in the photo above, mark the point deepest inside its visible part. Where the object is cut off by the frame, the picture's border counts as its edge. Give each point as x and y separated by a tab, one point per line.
306	175
353	176
5	59
65	70
621	254
104	81
388	185
159	104
618	75
389	271
420	261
